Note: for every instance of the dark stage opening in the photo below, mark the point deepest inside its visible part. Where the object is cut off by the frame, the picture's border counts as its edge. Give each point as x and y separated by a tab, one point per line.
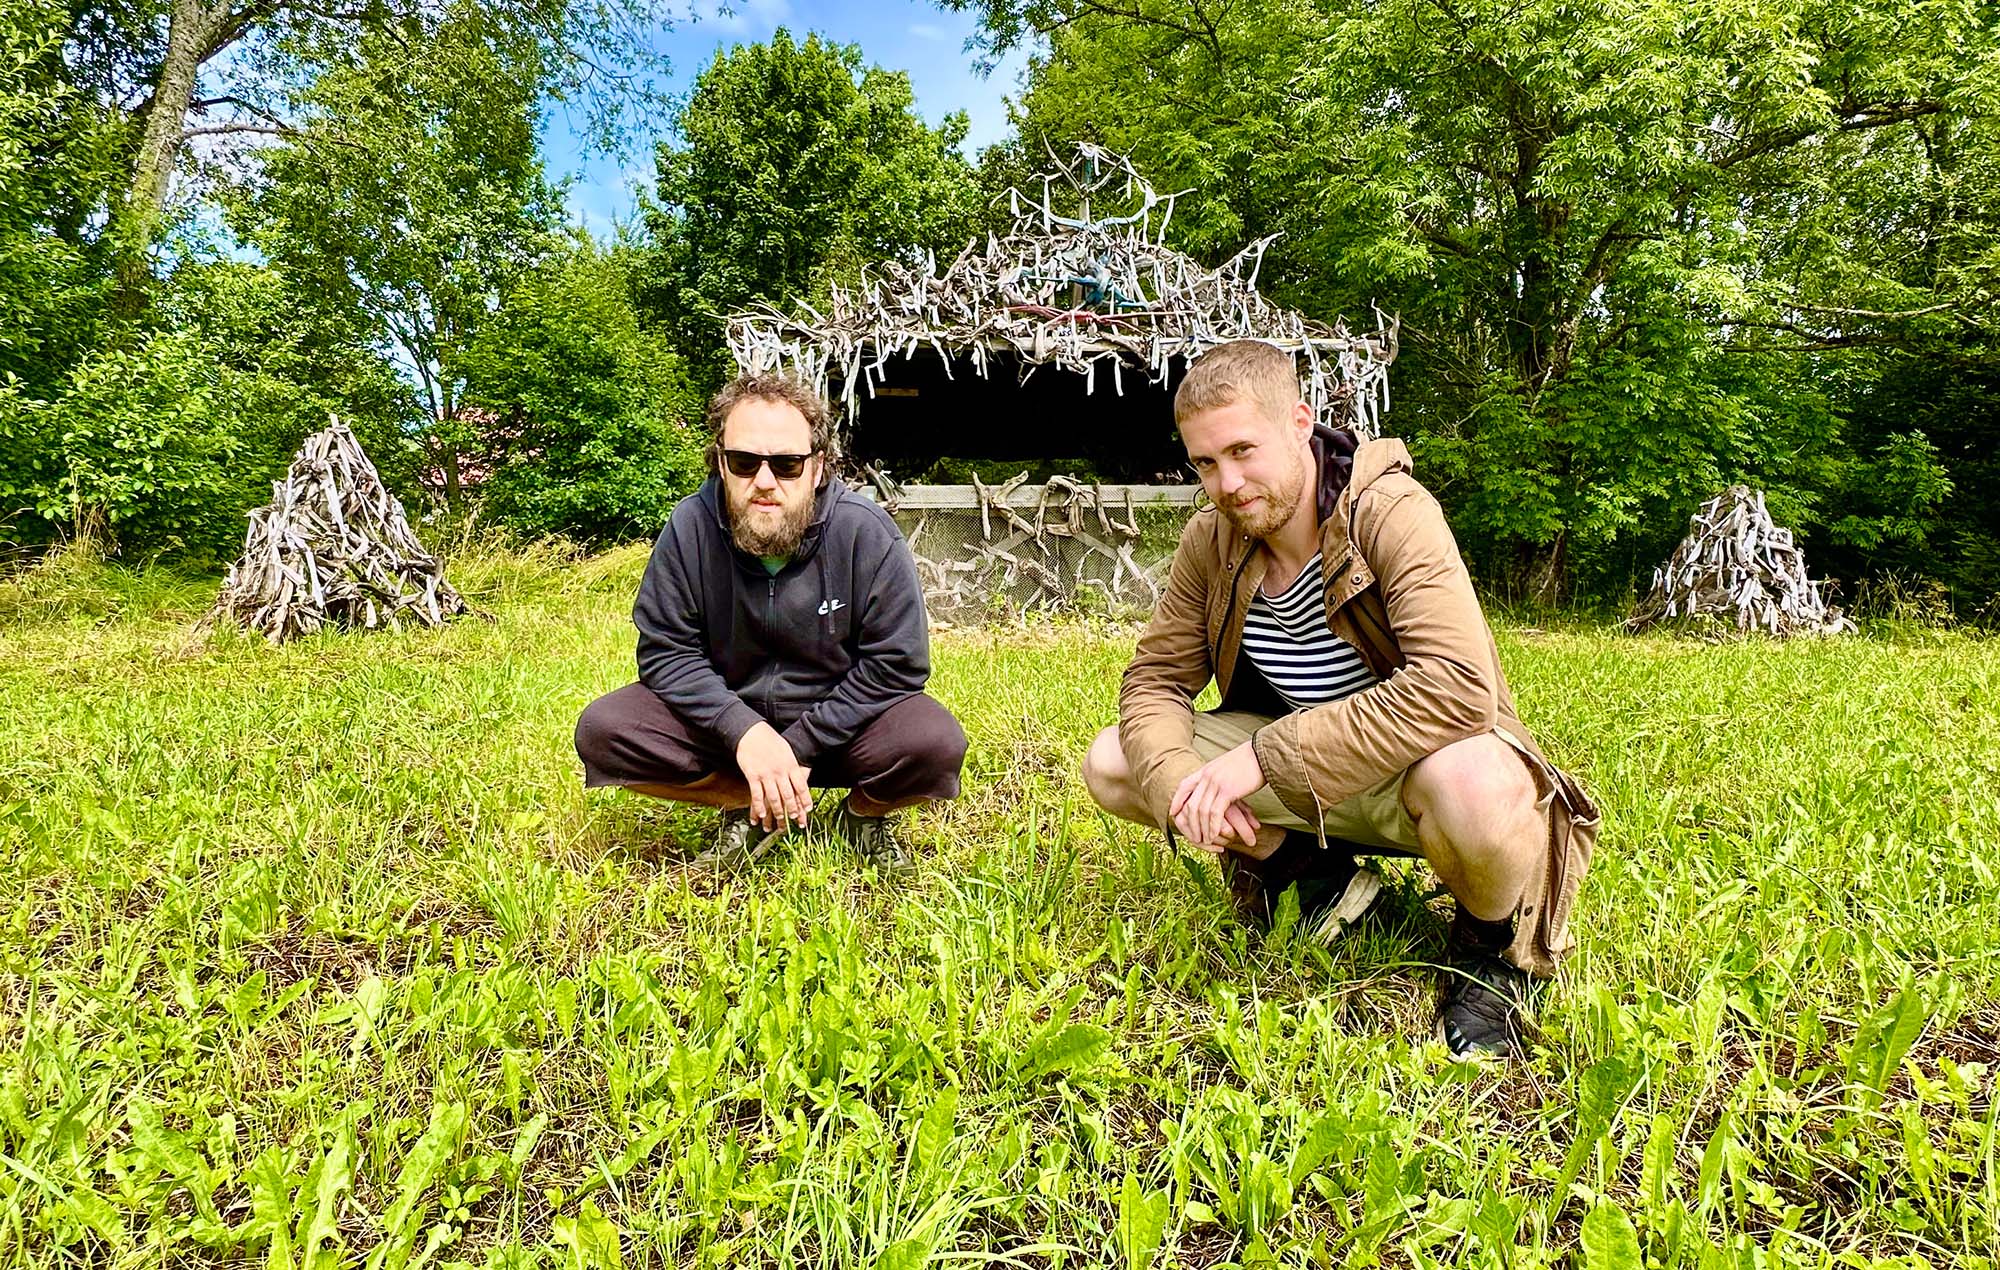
924	425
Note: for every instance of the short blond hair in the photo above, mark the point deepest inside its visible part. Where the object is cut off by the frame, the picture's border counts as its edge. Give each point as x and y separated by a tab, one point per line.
1227	373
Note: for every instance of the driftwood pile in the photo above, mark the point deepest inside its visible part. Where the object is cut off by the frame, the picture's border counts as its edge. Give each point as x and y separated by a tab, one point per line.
333	547
1071	543
1103	297
1736	568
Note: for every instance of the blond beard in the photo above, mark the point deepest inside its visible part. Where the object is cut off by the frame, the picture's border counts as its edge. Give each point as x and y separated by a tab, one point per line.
780	540
1280	502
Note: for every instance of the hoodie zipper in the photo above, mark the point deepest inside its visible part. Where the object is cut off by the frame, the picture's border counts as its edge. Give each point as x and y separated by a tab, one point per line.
770	629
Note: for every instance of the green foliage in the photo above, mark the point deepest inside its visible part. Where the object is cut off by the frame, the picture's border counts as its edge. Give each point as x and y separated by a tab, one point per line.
794	165
1944	404
1612	229
163	444
143	445
335	960
1901	484
413	198
296	364
592	434
55	159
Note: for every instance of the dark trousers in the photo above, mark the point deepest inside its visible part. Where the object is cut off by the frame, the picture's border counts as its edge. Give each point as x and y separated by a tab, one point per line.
909	753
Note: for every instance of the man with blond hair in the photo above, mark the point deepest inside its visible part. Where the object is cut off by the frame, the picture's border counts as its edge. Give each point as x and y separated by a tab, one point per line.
1363	707
782	645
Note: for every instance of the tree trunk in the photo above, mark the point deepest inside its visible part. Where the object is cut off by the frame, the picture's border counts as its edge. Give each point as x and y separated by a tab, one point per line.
454	492
1548	577
191	31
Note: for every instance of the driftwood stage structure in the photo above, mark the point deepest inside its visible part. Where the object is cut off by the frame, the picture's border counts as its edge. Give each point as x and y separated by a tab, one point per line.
1736	568
1059	342
333	547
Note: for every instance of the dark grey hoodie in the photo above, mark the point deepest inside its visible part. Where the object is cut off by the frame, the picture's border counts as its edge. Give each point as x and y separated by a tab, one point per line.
837	637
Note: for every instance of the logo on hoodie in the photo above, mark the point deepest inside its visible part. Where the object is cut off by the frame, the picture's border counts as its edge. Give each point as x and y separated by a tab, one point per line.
830	606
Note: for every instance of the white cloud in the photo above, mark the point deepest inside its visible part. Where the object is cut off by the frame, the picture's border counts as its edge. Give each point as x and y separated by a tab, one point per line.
753	17
928	31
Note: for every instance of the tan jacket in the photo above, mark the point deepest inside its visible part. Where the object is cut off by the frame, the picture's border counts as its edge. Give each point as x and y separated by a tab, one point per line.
1398	591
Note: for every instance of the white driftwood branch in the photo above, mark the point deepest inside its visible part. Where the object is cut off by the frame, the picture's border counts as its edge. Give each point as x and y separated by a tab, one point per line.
333	547
1736	567
1073	292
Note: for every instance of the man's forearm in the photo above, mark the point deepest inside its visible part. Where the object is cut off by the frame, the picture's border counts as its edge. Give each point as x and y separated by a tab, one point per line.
865	691
1158	740
696	693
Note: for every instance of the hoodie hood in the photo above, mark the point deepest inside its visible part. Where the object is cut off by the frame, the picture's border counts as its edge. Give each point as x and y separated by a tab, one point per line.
1333	451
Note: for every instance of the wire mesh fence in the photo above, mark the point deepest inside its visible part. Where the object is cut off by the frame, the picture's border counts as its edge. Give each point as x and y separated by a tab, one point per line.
998	551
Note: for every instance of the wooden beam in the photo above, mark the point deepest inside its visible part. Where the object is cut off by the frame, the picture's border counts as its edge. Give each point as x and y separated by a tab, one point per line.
942	497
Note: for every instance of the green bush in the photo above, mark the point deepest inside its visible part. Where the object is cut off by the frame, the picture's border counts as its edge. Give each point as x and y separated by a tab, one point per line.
292	367
160	443
143	447
586	436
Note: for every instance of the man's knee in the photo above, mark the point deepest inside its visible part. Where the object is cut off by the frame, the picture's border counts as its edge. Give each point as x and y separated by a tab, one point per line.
628	737
918	746
941	745
1478	794
1106	774
596	733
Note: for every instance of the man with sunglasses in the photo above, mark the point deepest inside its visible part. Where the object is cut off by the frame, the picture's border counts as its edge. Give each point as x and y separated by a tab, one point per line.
782	646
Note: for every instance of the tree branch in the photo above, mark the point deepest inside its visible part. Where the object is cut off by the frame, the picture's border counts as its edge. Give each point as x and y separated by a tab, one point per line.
1602	264
234	129
1439	238
207	103
1858	117
1138	17
1873	313
1811	341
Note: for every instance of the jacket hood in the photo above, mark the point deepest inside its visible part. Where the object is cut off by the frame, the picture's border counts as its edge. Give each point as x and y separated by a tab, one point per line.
1347	462
828	493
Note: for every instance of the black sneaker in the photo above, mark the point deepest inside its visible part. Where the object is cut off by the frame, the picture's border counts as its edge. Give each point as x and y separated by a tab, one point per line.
1484	1001
739	843
1333	890
873	840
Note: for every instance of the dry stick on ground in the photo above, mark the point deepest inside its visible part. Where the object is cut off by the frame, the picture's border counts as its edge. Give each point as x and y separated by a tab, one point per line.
1736	567
333	547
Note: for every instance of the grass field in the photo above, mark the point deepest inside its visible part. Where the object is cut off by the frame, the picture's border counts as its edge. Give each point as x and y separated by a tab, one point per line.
321	956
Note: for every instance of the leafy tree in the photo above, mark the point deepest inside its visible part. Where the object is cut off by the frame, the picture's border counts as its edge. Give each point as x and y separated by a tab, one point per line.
589	435
140	447
297	364
1937	408
159	444
794	164
183	72
413	197
1609	225
54	168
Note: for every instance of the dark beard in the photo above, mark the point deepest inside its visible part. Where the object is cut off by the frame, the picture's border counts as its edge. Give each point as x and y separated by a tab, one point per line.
783	539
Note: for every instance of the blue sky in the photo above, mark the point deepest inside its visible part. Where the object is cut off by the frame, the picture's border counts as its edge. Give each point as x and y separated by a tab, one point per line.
913	36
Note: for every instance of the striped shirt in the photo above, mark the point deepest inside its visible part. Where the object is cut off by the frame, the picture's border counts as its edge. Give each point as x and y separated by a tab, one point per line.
1287	639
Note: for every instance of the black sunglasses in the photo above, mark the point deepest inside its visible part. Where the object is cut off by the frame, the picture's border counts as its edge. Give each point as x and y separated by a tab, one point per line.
786	467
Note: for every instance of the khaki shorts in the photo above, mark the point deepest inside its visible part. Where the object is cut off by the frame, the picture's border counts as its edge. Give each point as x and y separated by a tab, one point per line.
1375	817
